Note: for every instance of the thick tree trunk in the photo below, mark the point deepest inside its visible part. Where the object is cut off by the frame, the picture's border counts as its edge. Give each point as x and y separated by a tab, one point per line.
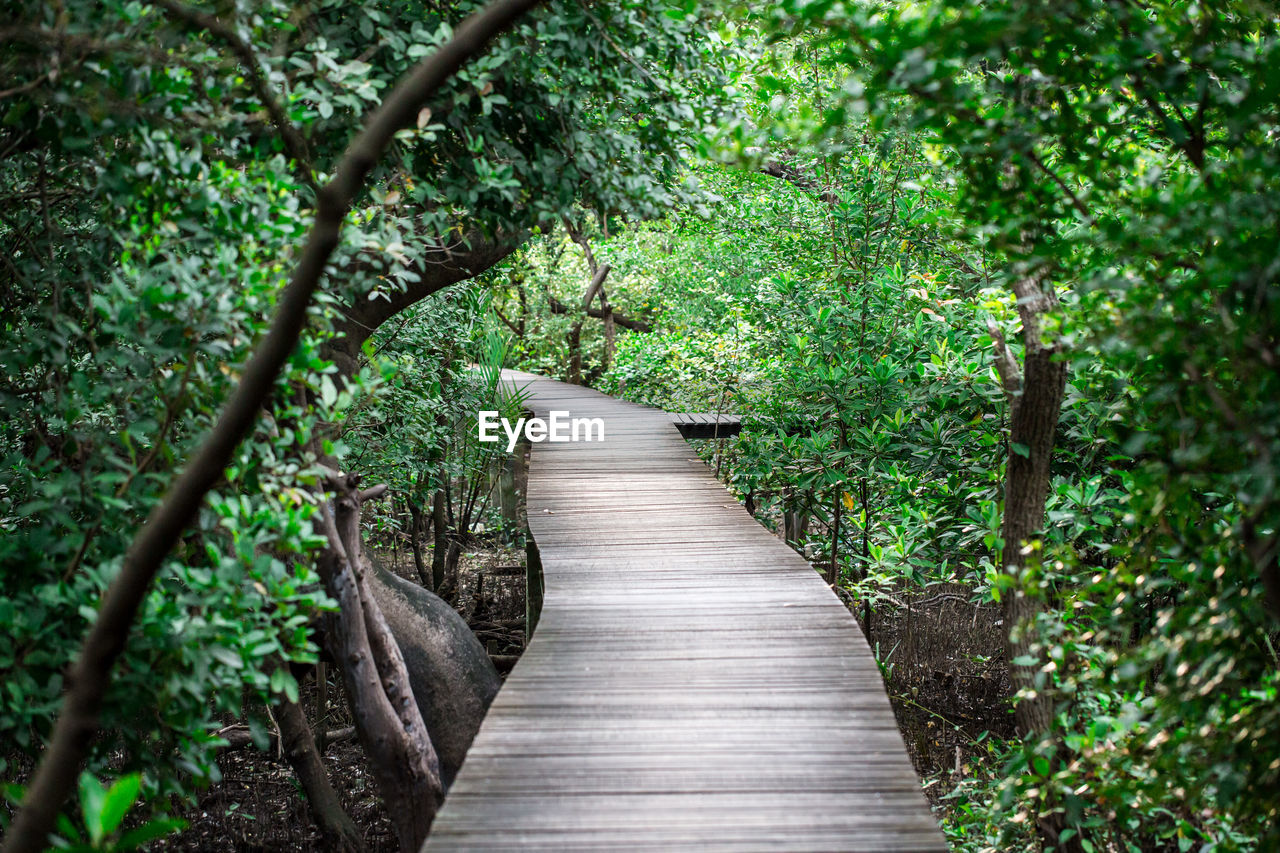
450	673
336	828
388	722
1034	422
1035	402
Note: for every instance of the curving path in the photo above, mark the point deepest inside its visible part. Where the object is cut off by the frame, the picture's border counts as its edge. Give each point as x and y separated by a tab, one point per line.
692	682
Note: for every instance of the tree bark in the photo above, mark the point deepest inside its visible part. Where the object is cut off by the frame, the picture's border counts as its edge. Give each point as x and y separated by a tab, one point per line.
90	674
610	332
336	828
574	341
595	289
449	265
322	705
416	523
388	721
1035	402
1034	408
440	550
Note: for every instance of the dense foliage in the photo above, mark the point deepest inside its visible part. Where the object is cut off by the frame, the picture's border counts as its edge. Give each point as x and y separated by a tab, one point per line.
158	174
930	155
814	215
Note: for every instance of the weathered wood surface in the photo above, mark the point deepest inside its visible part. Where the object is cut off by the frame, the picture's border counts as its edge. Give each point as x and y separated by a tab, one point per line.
706	424
692	683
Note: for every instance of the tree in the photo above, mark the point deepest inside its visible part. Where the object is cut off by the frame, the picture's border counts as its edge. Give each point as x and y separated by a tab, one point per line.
78	720
1143	170
243	114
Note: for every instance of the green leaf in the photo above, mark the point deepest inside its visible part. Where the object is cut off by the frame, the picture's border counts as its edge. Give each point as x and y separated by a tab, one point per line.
120	798
282	681
226	656
92	796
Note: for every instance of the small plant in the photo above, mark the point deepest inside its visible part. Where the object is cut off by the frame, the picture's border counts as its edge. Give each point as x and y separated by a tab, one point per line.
883	662
102	813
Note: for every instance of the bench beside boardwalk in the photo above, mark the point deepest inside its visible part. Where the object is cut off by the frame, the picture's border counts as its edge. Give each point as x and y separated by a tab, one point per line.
692	682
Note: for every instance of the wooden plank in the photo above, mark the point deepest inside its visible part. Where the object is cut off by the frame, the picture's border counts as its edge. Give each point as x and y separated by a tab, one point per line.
706	424
691	684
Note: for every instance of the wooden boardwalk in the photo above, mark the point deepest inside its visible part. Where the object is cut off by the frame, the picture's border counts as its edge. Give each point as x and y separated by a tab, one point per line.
692	683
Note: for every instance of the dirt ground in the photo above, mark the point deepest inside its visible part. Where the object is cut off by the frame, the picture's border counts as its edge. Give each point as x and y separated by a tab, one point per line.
947	678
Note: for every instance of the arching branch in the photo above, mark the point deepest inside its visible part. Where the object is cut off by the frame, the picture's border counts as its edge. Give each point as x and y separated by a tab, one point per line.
635	325
91	673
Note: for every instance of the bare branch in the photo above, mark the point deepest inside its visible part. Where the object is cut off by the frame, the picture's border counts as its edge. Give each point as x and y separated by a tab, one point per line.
635	325
1006	363
596	286
373	493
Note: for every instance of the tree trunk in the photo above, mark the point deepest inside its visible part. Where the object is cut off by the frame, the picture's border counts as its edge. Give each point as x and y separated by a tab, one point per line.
438	551
610	339
387	718
575	353
1034	422
452	556
417	521
1035	402
610	332
322	704
595	287
336	828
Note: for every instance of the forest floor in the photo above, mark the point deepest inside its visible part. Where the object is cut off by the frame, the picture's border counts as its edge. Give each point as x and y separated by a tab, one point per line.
259	805
947	680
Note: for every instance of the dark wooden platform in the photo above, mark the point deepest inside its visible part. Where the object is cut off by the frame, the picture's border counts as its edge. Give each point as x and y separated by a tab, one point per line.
706	425
692	683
